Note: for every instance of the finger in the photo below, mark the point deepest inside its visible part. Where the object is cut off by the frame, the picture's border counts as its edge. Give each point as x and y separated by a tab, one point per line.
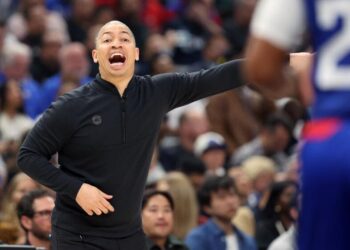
89	212
97	211
106	196
107	205
103	208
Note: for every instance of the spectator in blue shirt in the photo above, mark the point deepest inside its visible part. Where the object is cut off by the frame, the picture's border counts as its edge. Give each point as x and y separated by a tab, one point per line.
219	199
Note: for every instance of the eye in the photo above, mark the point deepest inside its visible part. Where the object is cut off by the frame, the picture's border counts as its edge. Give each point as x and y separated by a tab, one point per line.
125	39
107	40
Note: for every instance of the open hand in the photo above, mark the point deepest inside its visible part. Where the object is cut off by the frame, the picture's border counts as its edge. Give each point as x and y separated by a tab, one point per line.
93	201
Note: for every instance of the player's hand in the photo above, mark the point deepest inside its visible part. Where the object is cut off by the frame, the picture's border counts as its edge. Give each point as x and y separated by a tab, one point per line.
93	201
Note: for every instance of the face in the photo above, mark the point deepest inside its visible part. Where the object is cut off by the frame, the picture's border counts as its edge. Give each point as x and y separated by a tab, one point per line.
39	225
281	138
224	204
115	51
242	181
157	217
74	62
19	68
41	221
23	187
214	158
13	94
263	181
286	196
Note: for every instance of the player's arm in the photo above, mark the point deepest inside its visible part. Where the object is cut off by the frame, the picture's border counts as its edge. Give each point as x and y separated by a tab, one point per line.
274	31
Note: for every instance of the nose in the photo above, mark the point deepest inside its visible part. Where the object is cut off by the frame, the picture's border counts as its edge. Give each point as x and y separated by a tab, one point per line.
116	44
160	214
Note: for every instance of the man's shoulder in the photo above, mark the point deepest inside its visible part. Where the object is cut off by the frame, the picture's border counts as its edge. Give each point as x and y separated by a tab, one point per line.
78	96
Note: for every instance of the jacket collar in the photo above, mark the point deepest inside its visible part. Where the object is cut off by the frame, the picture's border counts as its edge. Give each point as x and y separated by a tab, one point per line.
108	86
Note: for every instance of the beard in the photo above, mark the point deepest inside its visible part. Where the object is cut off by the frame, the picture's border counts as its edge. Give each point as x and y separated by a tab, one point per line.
40	234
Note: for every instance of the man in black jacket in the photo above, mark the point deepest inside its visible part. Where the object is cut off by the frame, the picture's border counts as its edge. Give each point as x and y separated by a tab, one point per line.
104	133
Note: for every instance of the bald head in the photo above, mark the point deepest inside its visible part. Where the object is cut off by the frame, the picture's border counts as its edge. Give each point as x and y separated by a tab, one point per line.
110	24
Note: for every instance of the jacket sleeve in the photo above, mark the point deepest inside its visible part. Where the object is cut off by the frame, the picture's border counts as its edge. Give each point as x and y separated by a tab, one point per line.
196	241
178	89
46	138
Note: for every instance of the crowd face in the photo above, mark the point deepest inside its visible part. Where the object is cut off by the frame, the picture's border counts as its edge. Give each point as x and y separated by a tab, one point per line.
24	186
157	217
224	204
40	225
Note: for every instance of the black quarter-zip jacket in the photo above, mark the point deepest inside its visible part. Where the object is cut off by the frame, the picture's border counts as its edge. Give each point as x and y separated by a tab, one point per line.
107	140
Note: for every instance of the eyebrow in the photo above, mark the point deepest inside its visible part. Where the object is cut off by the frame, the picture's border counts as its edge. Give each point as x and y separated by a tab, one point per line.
111	33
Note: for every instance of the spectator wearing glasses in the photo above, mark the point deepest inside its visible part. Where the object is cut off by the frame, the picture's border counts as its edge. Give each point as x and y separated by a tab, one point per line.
34	212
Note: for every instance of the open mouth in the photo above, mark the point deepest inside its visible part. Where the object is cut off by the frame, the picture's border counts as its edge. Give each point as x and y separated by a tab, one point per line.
117	59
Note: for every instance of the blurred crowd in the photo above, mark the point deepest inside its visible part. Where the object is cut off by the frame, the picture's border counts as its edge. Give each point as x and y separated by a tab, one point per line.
228	161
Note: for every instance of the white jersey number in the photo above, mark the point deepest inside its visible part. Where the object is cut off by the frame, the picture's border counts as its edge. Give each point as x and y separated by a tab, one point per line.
330	75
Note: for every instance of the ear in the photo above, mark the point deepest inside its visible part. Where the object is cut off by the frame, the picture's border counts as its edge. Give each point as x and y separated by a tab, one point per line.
137	50
26	222
94	55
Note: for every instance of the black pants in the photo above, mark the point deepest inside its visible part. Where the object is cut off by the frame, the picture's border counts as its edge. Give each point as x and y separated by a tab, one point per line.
64	240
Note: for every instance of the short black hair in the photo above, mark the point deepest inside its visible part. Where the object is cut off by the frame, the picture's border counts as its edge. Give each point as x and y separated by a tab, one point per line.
214	184
191	165
153	192
278	119
25	205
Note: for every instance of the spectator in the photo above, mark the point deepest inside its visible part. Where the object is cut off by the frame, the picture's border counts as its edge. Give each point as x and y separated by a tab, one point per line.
74	67
13	123
34	213
195	170
261	172
272	141
287	240
180	188
273	218
210	147
192	123
80	19
158	220
219	199
244	218
46	64
19	185
16	64
237	27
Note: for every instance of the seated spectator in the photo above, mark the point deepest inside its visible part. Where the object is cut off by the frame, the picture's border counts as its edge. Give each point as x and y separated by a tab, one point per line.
74	68
158	221
272	141
180	188
195	170
19	185
244	218
261	171
13	123
273	218
287	240
16	64
34	213
192	123
211	149
219	199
